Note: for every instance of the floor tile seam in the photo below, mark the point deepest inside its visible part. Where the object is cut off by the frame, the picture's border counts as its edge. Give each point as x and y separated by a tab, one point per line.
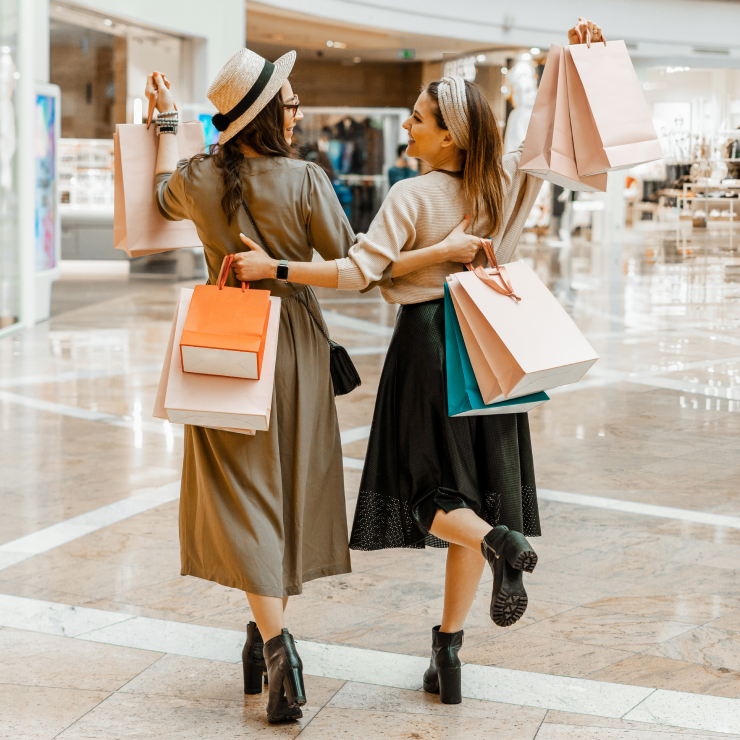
321	709
605	685
84	714
642	701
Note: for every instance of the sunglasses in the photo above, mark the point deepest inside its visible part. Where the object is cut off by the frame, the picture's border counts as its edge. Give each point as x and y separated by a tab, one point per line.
294	104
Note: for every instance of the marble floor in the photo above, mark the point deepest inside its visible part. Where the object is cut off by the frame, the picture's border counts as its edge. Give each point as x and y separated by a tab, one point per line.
633	626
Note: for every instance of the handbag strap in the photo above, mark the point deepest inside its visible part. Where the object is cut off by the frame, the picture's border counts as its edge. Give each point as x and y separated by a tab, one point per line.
224	273
272	256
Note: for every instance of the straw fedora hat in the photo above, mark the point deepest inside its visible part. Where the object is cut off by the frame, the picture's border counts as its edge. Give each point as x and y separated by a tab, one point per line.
244	86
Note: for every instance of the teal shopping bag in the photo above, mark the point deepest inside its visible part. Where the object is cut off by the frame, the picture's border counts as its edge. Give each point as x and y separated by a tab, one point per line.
463	394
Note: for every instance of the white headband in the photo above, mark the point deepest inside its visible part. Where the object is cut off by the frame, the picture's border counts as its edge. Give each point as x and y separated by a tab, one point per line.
453	104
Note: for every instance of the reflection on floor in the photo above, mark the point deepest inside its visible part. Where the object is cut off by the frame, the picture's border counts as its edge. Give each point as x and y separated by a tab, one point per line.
626	594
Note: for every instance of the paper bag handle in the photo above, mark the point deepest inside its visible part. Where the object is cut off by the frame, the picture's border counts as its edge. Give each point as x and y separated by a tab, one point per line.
588	40
224	274
496	270
153	102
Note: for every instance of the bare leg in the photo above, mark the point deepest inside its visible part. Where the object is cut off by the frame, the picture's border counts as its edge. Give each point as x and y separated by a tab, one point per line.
268	613
463	574
461	526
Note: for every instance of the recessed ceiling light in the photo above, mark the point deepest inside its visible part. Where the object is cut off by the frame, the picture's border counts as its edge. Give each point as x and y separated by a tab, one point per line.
340	45
481	57
526	57
330	44
504	89
356	60
108	22
535	50
504	70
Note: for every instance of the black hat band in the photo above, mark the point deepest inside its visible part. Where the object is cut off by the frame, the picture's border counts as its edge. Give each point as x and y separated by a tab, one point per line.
222	121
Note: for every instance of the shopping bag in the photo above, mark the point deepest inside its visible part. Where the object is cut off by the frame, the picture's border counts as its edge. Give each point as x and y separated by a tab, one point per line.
159	411
138	227
528	341
217	401
612	127
225	329
548	151
463	394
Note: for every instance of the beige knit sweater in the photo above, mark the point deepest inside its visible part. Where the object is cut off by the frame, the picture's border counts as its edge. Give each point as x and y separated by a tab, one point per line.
420	212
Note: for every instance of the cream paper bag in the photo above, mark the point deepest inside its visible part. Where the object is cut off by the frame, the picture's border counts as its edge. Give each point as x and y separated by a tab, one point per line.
231	404
518	347
138	227
548	151
612	127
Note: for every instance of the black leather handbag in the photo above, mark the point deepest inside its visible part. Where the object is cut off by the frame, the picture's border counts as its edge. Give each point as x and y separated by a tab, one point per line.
344	375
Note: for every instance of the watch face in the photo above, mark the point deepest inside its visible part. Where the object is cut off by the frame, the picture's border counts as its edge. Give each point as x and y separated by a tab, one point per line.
282	272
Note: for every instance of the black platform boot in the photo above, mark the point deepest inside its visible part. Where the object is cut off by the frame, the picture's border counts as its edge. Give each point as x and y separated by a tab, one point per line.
285	675
253	661
444	673
508	553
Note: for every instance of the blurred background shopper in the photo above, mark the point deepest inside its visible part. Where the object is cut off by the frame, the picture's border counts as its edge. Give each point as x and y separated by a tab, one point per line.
463	483
263	513
403	167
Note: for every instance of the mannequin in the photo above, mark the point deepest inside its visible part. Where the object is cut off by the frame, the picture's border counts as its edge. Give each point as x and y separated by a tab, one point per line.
524	92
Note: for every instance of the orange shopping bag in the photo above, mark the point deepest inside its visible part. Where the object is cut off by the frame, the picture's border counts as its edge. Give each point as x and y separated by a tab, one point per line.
226	329
548	151
138	227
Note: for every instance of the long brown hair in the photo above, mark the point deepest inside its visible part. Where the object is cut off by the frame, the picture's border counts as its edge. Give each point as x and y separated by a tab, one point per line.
483	172
264	134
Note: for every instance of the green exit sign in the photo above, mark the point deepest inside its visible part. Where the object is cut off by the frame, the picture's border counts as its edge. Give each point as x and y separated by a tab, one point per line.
406	54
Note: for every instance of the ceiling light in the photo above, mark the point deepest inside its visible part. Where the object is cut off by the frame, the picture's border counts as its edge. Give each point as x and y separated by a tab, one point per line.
481	57
340	45
504	70
356	60
330	44
504	89
108	22
535	50
525	57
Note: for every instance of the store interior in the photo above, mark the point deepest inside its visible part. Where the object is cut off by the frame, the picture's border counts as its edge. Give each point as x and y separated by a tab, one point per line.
357	85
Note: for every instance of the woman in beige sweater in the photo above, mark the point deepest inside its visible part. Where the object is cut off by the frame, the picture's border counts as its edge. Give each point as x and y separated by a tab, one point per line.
467	483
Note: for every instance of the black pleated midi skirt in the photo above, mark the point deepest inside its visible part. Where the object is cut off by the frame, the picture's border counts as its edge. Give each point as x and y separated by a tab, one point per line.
419	460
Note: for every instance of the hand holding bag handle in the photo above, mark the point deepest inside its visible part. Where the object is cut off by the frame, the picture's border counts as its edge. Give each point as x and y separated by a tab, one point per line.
344	375
488	276
153	101
224	273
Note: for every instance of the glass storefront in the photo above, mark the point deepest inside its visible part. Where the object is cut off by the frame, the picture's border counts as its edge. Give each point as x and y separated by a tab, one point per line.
9	252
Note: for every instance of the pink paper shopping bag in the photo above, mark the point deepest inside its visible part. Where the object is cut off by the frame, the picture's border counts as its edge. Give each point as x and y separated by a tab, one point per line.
548	150
138	227
519	338
612	127
233	404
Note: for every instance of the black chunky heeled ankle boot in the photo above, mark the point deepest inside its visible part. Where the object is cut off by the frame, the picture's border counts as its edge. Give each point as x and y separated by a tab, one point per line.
444	673
285	677
508	553
253	661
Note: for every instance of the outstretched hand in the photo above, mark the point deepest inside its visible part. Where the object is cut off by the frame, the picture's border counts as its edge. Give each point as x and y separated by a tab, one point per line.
585	31
255	264
459	246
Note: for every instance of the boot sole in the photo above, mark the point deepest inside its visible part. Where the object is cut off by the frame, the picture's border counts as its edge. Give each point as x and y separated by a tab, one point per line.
509	602
525	560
